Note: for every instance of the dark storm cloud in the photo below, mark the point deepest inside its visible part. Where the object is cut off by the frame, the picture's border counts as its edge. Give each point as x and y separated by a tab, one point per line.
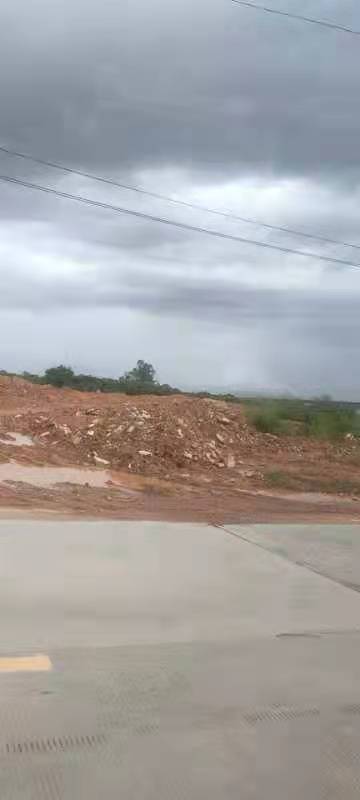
204	100
206	85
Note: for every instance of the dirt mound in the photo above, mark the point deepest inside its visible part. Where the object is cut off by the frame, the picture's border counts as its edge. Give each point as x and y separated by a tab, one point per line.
186	440
149	435
20	393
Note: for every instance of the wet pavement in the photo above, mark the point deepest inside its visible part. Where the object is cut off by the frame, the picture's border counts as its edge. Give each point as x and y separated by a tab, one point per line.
187	661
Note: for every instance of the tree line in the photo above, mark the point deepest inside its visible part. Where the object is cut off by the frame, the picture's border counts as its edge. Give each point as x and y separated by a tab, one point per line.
139	380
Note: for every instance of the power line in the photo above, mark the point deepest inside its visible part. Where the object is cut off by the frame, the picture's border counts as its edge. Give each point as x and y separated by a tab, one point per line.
297	17
176	201
175	223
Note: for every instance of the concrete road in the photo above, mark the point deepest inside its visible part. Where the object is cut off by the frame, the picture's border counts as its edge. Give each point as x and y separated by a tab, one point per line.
187	661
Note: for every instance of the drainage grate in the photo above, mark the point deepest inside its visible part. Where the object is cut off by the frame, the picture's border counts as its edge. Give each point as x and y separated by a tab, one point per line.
280	713
54	744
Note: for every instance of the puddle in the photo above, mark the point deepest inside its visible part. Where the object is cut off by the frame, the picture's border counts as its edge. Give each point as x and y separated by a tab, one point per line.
16	439
50	476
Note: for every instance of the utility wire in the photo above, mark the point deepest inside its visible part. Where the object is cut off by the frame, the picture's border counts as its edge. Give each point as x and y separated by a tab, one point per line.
175	223
297	17
176	201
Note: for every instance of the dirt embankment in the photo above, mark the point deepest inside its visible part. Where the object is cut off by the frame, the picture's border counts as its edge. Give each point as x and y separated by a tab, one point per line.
176	456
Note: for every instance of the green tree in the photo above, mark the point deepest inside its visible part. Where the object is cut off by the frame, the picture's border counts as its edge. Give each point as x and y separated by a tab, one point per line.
59	376
142	373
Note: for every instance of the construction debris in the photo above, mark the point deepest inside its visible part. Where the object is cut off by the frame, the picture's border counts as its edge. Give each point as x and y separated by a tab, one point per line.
155	437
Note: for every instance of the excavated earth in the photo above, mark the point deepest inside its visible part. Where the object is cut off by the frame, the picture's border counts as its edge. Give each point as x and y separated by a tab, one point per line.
87	454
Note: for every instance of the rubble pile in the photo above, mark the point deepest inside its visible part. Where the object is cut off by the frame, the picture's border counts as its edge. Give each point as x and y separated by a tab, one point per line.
168	437
149	435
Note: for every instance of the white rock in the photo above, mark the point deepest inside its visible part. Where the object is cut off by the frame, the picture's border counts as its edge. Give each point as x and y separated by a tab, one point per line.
100	460
65	429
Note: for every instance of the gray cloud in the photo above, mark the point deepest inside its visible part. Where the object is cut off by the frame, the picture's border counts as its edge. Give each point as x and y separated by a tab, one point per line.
210	102
210	86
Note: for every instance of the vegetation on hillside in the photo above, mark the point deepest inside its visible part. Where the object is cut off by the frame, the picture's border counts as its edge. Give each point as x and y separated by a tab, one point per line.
140	380
321	419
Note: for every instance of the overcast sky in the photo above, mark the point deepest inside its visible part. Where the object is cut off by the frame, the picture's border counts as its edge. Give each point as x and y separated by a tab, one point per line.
210	102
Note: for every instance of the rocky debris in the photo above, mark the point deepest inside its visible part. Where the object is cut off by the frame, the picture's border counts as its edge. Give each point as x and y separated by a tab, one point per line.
150	435
248	473
160	437
65	429
100	460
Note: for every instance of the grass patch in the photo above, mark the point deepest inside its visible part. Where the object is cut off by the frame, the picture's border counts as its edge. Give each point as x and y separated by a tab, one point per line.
268	418
277	478
327	421
297	482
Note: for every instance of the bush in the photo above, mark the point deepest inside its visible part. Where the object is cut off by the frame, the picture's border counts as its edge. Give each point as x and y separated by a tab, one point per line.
266	422
318	420
331	424
268	418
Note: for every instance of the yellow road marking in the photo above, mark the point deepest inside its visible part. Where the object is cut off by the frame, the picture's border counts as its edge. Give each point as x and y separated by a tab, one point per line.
37	663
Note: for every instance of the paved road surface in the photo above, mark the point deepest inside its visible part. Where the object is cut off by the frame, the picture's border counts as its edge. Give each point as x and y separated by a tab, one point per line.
187	661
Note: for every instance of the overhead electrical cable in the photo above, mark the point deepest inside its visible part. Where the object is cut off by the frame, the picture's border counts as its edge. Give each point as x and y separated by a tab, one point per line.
175	223
176	201
299	17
